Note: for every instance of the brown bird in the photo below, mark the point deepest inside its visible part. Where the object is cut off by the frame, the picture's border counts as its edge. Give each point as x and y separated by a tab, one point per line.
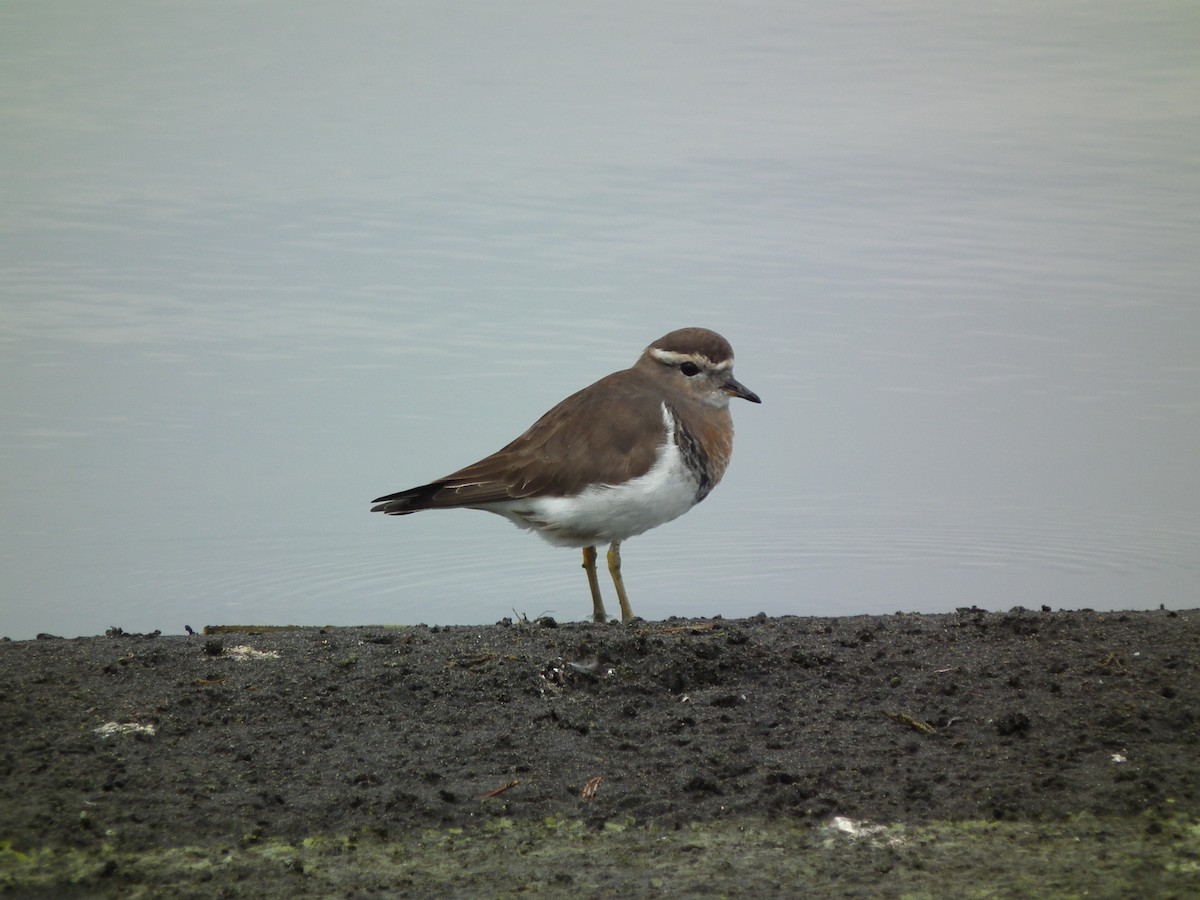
638	448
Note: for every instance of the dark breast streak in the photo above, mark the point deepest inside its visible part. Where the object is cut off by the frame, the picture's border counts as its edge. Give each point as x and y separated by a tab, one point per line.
705	453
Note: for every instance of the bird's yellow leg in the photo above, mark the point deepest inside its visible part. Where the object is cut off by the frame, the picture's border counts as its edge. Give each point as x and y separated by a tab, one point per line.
614	569
589	566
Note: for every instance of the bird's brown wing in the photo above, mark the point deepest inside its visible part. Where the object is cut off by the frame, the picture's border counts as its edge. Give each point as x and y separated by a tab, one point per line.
606	433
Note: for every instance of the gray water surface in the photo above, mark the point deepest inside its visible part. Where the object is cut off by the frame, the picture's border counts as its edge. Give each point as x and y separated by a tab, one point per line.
261	263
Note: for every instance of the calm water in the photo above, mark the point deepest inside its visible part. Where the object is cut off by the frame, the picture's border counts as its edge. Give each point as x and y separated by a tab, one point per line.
260	264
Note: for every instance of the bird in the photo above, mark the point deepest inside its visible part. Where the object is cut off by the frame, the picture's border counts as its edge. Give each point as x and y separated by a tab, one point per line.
630	452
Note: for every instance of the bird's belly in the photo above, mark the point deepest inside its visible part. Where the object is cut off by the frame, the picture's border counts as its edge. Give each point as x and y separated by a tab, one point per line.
606	513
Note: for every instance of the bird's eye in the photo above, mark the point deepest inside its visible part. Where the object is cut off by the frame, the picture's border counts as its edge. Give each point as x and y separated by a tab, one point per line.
689	369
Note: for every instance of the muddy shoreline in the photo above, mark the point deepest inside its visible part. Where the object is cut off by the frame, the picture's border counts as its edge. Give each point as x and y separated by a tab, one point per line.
879	755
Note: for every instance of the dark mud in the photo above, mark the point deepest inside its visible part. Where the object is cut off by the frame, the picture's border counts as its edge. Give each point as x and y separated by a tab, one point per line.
973	754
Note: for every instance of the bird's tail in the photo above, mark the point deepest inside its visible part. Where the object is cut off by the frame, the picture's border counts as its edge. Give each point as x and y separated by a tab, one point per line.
404	502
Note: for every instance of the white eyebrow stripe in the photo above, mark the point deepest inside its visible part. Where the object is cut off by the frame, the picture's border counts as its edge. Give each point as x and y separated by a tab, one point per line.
672	358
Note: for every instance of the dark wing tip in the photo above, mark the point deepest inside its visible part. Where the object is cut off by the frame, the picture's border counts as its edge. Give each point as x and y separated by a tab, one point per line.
404	502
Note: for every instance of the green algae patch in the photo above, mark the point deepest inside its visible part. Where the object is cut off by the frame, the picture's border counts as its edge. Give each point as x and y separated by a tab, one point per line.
1149	855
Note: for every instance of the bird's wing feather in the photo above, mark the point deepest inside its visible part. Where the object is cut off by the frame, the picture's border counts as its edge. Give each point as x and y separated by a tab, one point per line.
596	436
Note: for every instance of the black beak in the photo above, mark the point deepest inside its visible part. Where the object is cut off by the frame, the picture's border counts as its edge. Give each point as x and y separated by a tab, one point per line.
735	388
